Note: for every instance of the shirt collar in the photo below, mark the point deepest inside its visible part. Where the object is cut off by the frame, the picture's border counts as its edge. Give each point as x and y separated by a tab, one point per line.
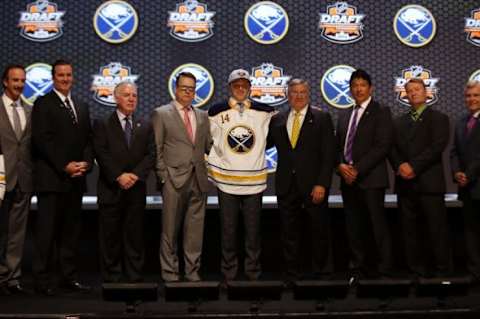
420	110
8	101
122	116
179	106
232	102
302	112
61	96
365	103
476	114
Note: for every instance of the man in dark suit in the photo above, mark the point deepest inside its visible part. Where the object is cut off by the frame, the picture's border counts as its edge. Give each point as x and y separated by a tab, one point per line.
364	139
465	161
304	138
421	136
15	132
62	155
124	151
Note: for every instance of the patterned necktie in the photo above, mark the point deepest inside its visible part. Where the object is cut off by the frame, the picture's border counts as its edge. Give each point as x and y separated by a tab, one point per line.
128	130
472	121
241	108
351	135
17	125
69	108
188	124
414	114
295	129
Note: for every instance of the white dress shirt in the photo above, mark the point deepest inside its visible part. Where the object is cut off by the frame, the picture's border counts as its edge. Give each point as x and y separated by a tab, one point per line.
291	116
9	108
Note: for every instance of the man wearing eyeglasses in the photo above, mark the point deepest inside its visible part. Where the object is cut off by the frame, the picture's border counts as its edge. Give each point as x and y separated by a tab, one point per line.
236	165
182	138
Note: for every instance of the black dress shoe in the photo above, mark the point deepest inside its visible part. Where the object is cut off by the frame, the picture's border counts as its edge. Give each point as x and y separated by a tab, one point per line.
18	289
76	286
45	291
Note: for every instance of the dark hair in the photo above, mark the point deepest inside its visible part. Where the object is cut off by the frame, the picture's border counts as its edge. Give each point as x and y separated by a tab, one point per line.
185	74
59	62
7	70
361	74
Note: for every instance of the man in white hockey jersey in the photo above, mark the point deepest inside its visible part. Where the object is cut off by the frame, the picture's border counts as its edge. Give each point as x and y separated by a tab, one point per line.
237	166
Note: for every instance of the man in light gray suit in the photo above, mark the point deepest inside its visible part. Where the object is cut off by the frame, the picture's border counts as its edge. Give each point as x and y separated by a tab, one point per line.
15	132
182	138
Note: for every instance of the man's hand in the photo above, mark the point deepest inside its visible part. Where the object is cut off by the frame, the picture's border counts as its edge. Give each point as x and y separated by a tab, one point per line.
76	169
127	180
318	194
405	171
461	178
348	173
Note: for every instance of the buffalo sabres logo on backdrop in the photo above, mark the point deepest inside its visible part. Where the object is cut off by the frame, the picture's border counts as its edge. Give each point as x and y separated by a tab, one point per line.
472	27
414	26
241	139
39	82
475	76
335	86
341	24
191	21
204	85
266	22
109	76
416	71
271	159
115	21
41	21
269	84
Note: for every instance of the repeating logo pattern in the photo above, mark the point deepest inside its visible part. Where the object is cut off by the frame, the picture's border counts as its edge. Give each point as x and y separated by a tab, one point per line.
115	21
241	139
335	86
475	76
269	84
266	22
472	27
38	82
204	85
41	22
271	159
108	77
414	26
416	71
341	23
191	21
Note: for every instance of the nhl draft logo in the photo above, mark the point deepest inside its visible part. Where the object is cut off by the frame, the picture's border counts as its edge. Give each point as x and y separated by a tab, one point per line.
472	27
269	84
191	21
241	139
271	159
475	76
266	22
41	22
204	85
109	76
39	82
115	21
335	86
341	24
416	71
414	26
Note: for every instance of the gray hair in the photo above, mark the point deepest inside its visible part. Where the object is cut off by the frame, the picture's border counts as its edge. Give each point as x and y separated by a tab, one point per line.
122	84
471	84
298	81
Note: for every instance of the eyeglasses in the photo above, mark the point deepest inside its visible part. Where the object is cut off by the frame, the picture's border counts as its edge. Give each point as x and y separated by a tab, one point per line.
299	94
186	89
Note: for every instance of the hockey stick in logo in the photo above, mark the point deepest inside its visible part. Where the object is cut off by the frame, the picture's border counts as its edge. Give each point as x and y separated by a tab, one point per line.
340	93
117	27
241	144
266	29
415	32
197	98
38	91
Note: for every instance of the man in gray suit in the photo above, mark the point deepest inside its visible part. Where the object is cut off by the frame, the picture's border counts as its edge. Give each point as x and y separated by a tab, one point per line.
15	132
182	138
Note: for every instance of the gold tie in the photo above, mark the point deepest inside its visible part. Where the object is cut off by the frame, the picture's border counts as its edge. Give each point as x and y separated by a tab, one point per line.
295	129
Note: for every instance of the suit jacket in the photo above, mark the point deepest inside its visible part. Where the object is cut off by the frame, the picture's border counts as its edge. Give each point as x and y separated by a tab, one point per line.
114	157
17	153
371	145
311	162
465	157
57	141
421	143
177	156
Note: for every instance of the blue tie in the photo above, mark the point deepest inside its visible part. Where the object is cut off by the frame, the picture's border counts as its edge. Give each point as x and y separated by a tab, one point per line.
128	130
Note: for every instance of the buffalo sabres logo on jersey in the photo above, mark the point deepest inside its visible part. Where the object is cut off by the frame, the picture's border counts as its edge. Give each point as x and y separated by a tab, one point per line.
414	26
269	84
109	76
341	24
191	21
475	76
204	85
241	139
115	21
41	21
266	22
38	82
416	71
271	159
335	86
472	27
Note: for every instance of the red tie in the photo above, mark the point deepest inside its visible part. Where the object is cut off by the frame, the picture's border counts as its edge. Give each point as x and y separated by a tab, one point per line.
188	124
471	124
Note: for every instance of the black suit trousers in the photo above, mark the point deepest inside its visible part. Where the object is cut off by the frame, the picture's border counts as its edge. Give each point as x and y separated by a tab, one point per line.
472	234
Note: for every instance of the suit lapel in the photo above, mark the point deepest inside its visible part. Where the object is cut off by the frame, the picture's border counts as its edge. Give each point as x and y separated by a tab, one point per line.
5	121
116	126
283	126
306	125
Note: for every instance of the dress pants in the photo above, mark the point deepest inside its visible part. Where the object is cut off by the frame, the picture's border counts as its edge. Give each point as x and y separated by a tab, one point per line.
56	234
231	206
183	209
292	206
364	213
471	217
